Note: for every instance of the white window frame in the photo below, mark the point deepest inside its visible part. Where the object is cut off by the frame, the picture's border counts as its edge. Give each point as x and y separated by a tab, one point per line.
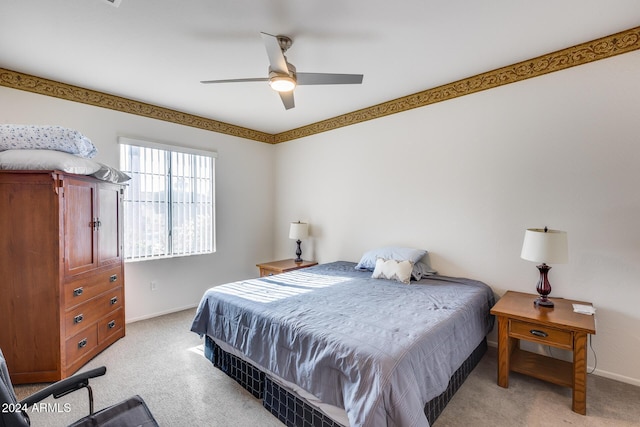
160	239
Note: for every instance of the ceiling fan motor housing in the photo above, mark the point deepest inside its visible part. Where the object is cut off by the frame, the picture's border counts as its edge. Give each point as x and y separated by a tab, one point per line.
284	42
292	71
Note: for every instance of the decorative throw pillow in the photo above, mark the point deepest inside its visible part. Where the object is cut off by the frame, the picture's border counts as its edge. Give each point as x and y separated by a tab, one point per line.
399	271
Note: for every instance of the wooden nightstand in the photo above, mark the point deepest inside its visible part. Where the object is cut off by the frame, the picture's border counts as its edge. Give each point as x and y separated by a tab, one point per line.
277	267
559	326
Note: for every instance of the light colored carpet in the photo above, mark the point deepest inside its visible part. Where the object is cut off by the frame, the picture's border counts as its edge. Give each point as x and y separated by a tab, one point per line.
162	361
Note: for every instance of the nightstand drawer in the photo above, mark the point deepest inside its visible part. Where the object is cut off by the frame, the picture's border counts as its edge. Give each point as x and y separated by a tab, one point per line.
542	334
267	272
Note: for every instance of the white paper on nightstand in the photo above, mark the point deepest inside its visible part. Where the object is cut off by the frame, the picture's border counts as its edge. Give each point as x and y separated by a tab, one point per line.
584	309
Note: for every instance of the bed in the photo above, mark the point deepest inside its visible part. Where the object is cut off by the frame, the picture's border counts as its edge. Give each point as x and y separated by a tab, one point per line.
330	345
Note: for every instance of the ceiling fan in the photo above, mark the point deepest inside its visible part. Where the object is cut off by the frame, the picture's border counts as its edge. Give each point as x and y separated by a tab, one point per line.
283	76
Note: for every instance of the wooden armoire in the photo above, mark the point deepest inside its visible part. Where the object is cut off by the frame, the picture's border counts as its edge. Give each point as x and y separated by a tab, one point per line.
61	272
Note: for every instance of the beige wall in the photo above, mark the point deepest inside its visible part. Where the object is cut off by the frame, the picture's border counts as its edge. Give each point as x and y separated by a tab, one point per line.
465	178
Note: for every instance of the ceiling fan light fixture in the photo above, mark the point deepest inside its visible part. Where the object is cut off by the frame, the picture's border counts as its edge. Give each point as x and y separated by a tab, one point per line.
282	83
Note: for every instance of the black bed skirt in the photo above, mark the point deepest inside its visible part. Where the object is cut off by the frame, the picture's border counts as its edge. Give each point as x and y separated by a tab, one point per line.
295	412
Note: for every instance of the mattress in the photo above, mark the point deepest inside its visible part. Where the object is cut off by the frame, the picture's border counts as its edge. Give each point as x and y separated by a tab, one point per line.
295	410
377	348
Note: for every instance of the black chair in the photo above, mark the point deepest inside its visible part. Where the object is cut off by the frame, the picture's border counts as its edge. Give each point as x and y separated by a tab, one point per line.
13	413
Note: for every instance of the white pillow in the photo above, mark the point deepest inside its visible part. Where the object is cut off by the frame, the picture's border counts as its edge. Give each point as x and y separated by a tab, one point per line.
368	260
399	271
46	160
32	137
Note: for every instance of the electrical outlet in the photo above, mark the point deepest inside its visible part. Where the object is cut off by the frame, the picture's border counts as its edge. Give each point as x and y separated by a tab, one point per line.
154	285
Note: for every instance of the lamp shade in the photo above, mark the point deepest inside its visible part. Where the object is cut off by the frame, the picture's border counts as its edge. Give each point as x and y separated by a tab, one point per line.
298	230
546	246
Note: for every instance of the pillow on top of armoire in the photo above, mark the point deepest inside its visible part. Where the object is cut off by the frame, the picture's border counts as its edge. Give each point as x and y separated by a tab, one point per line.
30	137
46	160
107	173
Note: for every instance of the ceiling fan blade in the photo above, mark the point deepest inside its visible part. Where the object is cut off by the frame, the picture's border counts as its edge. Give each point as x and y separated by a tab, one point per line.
287	99
328	79
276	57
256	79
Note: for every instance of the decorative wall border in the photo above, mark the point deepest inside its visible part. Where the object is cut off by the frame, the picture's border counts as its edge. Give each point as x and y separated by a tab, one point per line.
16	80
605	47
595	50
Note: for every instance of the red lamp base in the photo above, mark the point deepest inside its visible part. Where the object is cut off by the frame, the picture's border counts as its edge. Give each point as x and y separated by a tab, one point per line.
543	301
543	287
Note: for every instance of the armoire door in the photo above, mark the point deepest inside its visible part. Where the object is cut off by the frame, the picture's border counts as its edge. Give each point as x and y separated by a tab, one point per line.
80	226
109	229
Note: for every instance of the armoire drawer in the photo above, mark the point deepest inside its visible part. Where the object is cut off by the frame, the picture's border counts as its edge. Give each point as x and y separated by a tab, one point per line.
81	290
81	344
110	325
93	310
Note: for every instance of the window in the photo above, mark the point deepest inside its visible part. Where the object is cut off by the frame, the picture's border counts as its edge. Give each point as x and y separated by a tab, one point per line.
169	202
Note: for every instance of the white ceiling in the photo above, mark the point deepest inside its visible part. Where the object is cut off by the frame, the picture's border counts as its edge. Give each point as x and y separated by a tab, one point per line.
158	51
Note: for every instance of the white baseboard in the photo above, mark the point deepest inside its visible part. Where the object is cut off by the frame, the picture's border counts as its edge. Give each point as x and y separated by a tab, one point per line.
162	313
614	376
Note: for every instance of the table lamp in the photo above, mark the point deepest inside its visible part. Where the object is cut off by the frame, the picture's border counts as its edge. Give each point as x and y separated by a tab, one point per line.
544	246
297	231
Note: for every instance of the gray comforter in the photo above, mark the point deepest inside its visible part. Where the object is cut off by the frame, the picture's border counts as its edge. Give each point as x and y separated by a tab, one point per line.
378	348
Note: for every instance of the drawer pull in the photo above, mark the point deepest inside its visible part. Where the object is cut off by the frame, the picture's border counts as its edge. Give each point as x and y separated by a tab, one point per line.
79	318
111	324
82	343
538	333
114	300
78	291
113	278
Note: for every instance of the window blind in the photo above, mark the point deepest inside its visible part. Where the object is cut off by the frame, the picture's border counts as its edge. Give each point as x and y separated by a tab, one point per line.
169	203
